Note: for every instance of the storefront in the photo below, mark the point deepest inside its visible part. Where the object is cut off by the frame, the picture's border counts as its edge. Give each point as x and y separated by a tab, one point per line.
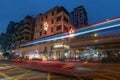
60	51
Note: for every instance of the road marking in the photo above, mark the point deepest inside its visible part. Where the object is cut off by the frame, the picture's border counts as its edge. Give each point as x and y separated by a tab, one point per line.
38	76
48	77
15	70
76	75
6	76
83	69
11	70
6	67
109	77
22	75
2	67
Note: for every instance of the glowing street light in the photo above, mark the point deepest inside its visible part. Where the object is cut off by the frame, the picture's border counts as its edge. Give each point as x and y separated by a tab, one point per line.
95	35
71	32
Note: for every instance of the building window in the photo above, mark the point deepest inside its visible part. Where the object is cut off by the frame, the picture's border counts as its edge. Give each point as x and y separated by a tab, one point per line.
59	27
81	23
65	19
65	28
41	26
53	13
45	33
51	47
59	10
59	18
76	25
45	49
80	16
52	21
46	16
51	29
35	25
25	33
40	33
26	38
41	19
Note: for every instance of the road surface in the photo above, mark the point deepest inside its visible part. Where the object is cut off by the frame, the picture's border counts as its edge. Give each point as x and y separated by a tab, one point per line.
14	72
62	71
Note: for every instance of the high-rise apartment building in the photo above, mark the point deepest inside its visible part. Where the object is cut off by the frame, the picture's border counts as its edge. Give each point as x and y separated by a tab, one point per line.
24	31
78	17
10	35
3	40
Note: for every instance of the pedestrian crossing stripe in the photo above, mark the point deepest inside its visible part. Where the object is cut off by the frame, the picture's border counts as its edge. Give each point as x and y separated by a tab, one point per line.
6	67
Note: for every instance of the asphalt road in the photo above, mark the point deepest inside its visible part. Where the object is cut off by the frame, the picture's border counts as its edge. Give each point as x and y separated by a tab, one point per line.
82	71
14	72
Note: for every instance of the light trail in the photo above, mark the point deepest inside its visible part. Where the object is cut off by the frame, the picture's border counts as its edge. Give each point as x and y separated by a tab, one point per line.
77	33
94	30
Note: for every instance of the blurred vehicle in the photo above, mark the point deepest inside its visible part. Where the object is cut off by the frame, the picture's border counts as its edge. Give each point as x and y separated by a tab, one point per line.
18	59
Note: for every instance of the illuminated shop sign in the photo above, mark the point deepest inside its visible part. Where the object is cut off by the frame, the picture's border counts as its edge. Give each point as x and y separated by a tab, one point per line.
61	46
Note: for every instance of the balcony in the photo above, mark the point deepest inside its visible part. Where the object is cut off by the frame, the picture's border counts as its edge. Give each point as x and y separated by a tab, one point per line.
23	41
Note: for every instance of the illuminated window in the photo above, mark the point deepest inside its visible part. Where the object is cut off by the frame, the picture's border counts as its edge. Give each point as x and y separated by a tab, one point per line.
45	26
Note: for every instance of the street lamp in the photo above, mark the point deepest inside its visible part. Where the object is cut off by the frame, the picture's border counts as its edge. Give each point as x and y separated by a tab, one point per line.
71	32
95	35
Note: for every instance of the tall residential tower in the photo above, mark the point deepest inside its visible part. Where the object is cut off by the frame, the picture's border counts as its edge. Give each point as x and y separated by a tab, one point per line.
78	17
24	31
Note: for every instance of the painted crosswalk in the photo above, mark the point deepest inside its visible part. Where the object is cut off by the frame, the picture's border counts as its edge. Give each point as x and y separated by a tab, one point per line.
15	72
6	67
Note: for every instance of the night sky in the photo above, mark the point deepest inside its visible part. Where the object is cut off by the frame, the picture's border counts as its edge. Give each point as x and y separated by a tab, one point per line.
16	10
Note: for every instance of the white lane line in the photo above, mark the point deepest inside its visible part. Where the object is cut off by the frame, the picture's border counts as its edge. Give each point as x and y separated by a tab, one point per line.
6	67
83	69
